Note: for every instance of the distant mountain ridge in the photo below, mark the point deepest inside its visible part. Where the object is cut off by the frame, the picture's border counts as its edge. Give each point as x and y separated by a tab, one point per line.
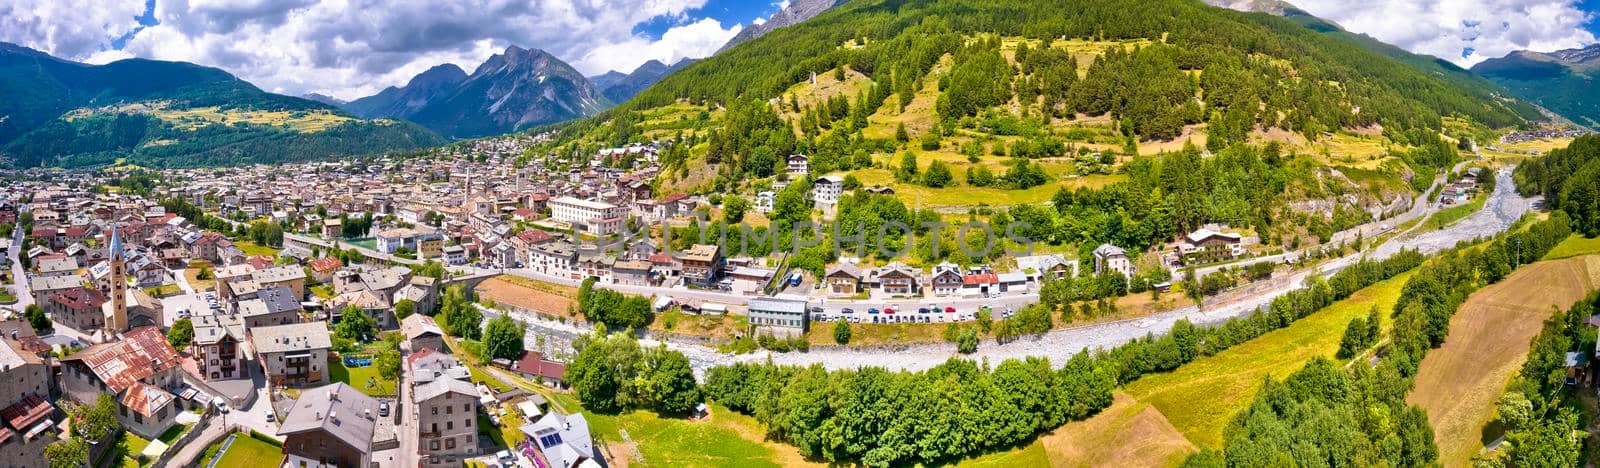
325	99
149	112
620	87
404	102
1563	81
797	12
516	89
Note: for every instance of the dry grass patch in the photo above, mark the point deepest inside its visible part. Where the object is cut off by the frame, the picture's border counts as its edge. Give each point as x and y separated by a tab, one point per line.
1458	383
1129	433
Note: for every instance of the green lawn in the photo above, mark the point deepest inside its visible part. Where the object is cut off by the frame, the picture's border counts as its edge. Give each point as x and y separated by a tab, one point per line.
130	447
728	440
322	291
252	249
1201	397
1574	246
249	452
1448	216
507	433
365	379
482	376
172	433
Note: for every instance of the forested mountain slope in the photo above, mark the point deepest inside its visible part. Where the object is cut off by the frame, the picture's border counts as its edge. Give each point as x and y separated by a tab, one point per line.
1562	81
60	113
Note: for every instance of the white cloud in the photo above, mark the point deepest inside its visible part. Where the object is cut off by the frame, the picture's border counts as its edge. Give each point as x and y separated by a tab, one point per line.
71	28
697	39
1463	31
353	48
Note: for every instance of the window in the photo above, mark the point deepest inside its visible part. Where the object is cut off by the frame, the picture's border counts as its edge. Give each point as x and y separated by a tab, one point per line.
449	409
435	410
466	407
450	444
449	425
434	445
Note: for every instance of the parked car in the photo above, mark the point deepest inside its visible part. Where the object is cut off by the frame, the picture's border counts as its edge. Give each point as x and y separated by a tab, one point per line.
383	408
847	310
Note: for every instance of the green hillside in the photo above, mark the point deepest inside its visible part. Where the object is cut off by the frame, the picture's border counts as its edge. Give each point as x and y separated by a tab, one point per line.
154	113
1562	81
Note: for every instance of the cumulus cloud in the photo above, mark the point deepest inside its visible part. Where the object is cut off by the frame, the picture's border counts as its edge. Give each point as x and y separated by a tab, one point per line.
70	28
697	39
1463	31
353	48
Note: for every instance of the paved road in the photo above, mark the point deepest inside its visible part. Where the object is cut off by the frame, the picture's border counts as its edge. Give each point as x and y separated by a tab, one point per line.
19	276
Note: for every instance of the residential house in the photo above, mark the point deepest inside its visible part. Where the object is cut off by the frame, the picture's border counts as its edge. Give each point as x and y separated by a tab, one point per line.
631	272
390	241
825	191
844	279
137	370
25	417
293	355
896	279
563	441
798	165
289	276
1041	268
332	425
275	305
748	279
332	228
55	266
946	279
216	347
322	269
558	259
446	411
1110	258
455	255
422	332
78	308
702	264
534	365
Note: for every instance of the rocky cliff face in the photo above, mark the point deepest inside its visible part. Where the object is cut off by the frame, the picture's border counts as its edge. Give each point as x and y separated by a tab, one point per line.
797	12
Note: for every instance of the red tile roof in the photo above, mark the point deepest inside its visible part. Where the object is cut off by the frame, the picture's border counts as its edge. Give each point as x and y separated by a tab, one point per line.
325	264
25	412
143	352
424	352
533	363
534	236
985	278
80	298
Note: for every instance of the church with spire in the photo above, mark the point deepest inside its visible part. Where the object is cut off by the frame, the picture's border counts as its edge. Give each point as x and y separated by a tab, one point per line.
117	314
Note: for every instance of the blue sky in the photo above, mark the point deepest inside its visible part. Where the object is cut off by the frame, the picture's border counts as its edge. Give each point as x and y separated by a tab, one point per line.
727	12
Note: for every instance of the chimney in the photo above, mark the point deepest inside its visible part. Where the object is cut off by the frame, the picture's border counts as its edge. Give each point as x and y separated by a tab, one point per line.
334	415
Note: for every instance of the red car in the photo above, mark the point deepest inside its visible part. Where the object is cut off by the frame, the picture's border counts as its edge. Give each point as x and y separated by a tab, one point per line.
949	310
887	310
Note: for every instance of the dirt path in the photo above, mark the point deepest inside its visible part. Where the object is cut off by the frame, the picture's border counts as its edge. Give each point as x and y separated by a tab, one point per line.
1488	341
